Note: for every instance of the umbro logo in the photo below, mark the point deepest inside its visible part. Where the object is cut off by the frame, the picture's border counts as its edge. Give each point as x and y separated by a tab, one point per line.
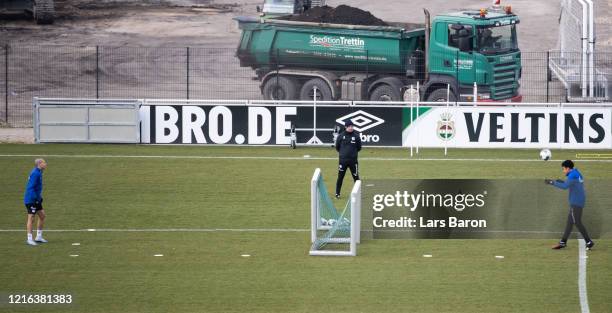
362	120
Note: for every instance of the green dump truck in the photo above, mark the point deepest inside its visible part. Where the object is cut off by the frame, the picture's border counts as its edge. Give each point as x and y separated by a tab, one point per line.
292	59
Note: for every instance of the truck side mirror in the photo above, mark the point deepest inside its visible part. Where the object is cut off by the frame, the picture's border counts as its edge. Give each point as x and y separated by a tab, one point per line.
465	43
464	40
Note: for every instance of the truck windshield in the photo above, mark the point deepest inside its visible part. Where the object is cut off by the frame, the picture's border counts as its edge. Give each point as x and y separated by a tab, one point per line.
499	39
279	6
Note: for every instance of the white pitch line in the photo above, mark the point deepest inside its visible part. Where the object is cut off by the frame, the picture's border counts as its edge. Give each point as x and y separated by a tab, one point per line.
196	157
582	273
257	230
244	230
469	231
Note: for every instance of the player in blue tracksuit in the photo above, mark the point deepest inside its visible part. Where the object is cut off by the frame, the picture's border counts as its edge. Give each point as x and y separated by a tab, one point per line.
575	184
33	202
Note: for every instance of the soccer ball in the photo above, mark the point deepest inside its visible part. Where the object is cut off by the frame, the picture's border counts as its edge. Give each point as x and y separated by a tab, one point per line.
545	154
323	222
331	222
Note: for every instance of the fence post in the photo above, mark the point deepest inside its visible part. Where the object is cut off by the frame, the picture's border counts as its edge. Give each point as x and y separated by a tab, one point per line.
547	76
278	73
458	96
6	84
188	73
97	72
367	64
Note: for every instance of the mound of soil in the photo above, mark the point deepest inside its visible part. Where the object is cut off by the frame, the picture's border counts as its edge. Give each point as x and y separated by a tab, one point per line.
342	14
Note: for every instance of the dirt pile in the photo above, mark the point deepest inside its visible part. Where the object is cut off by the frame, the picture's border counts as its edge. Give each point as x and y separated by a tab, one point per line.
112	9
342	14
88	9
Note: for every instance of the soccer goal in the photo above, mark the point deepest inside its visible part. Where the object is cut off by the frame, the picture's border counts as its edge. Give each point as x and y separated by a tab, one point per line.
334	232
575	62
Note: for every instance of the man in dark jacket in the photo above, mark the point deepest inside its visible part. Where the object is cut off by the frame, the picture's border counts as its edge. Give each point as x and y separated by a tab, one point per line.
348	145
577	197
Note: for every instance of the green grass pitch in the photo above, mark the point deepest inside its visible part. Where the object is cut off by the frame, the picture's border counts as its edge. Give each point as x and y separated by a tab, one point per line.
267	197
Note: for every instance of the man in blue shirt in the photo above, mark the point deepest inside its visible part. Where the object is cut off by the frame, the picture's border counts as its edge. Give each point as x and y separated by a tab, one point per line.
577	197
33	202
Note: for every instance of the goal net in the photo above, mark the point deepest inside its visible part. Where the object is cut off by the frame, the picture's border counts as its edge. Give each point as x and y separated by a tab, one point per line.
334	232
575	61
571	27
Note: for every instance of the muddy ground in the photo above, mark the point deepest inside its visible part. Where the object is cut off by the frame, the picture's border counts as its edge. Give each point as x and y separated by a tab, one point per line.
132	23
142	48
209	22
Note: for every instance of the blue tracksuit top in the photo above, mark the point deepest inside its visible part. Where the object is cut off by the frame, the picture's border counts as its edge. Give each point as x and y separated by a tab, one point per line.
575	184
34	187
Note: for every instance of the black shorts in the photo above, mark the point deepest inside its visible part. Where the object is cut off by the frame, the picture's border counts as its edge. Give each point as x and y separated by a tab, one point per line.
33	208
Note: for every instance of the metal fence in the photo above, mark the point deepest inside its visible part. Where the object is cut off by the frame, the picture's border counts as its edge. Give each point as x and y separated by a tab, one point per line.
175	73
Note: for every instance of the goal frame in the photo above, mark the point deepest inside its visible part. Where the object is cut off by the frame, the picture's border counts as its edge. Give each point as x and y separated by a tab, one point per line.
316	226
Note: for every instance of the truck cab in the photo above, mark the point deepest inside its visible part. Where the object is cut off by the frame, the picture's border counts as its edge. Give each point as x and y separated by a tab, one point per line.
282	7
481	47
274	8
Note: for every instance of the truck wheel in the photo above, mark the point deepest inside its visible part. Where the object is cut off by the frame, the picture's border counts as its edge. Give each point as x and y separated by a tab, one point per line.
280	88
324	93
439	95
385	92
